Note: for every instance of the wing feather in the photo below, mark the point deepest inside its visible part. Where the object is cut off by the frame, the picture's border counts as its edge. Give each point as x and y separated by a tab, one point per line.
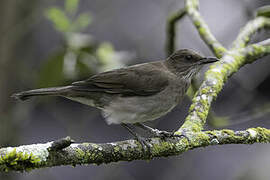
139	80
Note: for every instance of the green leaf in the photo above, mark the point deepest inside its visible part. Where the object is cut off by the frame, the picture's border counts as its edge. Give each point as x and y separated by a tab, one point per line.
51	73
59	19
82	22
263	11
71	6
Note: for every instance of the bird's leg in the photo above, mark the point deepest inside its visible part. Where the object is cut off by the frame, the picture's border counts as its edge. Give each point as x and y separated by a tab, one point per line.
142	140
158	133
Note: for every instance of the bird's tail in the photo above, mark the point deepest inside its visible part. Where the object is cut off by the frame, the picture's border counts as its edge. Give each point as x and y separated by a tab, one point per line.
54	91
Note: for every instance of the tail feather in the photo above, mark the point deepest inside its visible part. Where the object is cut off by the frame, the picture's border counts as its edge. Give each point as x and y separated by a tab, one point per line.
54	91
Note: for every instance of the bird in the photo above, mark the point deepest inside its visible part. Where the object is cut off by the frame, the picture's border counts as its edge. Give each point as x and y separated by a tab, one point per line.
135	94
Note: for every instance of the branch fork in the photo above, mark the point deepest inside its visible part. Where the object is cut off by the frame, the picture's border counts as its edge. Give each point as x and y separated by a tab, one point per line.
66	152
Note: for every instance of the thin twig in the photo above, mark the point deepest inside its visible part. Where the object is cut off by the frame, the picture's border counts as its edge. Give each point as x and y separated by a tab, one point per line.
171	28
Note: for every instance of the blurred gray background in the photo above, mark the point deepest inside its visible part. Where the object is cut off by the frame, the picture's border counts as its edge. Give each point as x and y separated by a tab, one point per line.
136	31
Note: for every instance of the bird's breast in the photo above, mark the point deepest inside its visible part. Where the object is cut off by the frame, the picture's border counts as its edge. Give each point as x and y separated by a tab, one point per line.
143	108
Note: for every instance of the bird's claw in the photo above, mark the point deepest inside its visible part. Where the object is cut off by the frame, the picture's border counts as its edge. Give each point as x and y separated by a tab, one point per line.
145	145
166	134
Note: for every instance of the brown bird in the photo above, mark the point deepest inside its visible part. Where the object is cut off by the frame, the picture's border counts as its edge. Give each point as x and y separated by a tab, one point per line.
134	94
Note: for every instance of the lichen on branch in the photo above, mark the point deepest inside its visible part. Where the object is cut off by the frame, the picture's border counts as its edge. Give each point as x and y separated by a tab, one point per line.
250	29
203	29
214	81
22	159
66	152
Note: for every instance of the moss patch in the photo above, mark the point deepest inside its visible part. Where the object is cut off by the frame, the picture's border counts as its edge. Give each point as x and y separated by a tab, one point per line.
18	161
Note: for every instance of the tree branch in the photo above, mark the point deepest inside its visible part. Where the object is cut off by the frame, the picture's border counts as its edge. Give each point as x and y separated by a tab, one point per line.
215	78
65	152
203	29
251	28
26	158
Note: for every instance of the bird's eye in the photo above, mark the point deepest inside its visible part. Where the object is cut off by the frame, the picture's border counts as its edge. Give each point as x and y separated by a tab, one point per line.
188	57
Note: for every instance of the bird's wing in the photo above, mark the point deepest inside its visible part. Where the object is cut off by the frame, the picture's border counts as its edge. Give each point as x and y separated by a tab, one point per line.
140	80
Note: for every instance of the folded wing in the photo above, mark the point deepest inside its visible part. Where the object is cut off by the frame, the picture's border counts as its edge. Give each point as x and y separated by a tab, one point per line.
143	80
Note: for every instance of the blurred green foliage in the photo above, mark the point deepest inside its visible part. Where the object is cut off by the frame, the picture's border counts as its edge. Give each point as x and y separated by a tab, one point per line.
65	21
50	73
80	56
71	6
218	121
59	18
107	57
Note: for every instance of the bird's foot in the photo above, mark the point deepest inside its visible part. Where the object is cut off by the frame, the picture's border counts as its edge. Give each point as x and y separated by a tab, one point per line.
145	145
142	140
166	134
158	133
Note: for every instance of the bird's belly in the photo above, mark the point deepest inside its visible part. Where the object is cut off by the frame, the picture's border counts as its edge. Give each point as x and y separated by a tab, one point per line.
140	109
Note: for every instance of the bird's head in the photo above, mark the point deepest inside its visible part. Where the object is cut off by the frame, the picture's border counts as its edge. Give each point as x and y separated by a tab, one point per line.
186	63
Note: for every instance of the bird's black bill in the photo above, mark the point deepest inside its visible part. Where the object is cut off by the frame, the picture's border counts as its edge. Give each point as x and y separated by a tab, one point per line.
208	60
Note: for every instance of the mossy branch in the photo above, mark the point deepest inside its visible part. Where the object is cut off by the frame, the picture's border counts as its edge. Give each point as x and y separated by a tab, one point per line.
65	152
230	62
29	157
203	29
215	79
250	29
